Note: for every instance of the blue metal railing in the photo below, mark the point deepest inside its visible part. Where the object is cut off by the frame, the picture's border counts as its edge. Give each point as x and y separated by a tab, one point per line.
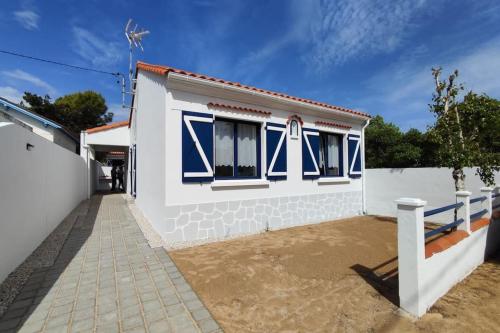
442	209
477	199
443	228
496	206
477	215
495	195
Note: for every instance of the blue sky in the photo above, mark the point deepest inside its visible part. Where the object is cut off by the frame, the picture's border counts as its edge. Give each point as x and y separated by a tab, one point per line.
373	56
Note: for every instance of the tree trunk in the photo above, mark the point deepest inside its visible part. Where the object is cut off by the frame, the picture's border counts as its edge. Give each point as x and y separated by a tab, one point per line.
459	177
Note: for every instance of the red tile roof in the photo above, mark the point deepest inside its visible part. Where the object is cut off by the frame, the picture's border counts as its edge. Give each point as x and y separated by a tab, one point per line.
238	108
107	127
164	70
324	123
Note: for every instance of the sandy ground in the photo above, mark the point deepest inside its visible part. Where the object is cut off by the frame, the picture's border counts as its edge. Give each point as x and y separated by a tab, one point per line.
332	277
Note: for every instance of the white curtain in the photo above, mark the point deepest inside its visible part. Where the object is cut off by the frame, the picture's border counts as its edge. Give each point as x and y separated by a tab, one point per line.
247	145
333	151
224	143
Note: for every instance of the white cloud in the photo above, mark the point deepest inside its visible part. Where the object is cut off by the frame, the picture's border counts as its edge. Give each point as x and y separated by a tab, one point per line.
330	33
348	29
12	94
404	90
21	75
95	49
27	18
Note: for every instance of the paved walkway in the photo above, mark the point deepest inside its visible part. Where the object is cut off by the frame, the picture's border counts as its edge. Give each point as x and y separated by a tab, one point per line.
108	279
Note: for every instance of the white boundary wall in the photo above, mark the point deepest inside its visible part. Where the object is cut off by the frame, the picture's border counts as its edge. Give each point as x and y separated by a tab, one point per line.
422	281
435	185
38	189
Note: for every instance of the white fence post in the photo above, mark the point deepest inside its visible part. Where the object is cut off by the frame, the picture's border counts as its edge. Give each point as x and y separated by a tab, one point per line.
488	202
411	254
464	211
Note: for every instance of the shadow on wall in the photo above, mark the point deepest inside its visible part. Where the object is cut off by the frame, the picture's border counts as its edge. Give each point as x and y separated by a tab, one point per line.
42	280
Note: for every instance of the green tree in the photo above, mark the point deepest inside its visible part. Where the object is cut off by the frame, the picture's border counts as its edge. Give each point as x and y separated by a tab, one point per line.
388	147
381	139
76	112
462	130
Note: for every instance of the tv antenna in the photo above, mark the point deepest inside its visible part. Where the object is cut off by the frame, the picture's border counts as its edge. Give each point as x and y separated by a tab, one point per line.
134	38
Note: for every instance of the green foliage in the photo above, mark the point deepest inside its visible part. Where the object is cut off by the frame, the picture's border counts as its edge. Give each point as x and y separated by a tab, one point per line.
76	112
388	147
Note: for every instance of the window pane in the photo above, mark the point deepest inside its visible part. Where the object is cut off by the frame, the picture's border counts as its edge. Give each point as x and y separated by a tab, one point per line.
322	152
332	165
247	150
224	149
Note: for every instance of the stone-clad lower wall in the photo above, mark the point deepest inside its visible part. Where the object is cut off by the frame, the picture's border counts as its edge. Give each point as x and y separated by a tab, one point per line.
219	220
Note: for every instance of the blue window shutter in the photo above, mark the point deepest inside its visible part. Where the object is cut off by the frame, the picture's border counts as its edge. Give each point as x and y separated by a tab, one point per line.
197	147
354	152
276	151
310	153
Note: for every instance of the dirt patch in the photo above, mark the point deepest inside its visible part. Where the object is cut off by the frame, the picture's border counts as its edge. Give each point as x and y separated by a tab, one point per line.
337	276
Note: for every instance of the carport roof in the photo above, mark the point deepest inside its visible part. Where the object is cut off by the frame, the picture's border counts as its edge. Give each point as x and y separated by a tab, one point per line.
107	127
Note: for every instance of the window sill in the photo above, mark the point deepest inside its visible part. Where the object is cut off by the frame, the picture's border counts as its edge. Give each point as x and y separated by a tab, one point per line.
334	180
240	183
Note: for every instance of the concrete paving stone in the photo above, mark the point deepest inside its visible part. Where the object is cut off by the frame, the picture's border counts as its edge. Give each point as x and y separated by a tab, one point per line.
130	311
107	318
57	329
179	281
60	310
151	305
174	274
84	314
180	322
103	308
154	315
208	325
161	326
135	330
55	321
188	296
175	310
170	300
194	304
147	296
110	328
82	324
31	327
200	314
132	321
183	287
66	300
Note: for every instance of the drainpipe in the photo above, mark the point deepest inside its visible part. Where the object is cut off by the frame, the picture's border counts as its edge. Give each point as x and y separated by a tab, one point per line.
363	181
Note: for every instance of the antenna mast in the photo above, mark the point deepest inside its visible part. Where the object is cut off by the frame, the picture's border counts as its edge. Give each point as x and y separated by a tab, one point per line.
135	41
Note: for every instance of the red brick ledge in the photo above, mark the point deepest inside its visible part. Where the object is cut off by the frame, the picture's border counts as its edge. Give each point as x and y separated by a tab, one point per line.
445	242
478	224
325	123
238	108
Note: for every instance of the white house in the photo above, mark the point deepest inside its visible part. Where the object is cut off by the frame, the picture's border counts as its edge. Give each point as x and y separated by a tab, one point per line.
213	158
42	126
108	144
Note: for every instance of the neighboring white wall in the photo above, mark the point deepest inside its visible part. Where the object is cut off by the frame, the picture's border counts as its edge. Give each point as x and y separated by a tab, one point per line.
63	140
434	185
183	212
38	189
118	136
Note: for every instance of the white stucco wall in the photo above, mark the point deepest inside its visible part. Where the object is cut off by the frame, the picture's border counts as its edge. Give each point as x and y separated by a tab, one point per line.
434	185
177	209
38	189
119	136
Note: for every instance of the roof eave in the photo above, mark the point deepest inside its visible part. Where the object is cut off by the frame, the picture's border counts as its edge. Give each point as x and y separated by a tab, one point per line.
283	100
